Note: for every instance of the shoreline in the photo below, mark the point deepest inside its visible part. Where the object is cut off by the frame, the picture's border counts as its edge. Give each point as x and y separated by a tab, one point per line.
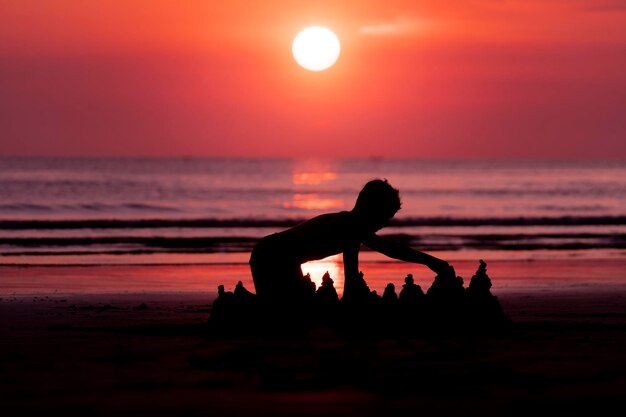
535	275
602	305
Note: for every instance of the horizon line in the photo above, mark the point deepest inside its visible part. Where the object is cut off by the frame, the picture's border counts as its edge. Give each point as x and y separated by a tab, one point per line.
587	159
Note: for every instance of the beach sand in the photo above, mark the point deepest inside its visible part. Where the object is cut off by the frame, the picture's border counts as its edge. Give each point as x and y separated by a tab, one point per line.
154	354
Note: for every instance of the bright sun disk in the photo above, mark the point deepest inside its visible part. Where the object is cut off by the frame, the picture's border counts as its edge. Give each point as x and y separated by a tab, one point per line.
316	48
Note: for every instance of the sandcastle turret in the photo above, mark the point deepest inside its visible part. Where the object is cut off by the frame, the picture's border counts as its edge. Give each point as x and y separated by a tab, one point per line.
389	295
326	293
223	308
308	286
446	284
242	295
411	292
483	308
326	301
446	306
480	282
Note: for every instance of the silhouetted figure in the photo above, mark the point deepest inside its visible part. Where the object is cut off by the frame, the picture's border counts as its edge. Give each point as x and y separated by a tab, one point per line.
276	260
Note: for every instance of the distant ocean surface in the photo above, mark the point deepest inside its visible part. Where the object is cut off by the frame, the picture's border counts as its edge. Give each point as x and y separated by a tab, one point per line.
119	211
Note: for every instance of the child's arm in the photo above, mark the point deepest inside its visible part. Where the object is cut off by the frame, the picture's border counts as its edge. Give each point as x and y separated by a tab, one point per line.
350	266
404	253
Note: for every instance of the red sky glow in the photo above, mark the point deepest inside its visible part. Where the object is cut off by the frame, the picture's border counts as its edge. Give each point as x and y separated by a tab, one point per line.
422	79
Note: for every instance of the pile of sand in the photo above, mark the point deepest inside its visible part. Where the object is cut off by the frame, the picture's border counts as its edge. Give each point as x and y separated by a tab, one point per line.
445	307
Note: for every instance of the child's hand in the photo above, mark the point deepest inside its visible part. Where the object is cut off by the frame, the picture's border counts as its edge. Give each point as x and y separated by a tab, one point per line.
440	267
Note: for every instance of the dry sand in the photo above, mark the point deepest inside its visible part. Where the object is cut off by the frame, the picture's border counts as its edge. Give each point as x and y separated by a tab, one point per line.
153	354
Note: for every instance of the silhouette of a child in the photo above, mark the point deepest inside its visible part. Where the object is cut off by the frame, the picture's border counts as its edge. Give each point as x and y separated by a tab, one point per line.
276	260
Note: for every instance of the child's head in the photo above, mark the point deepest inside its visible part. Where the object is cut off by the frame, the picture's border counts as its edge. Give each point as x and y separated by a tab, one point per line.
378	202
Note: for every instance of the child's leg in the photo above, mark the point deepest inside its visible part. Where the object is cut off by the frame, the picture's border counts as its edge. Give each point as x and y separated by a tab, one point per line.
275	279
274	275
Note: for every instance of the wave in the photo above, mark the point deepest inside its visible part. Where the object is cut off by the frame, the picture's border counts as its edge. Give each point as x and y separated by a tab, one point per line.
127	245
585	192
25	207
288	222
162	242
86	208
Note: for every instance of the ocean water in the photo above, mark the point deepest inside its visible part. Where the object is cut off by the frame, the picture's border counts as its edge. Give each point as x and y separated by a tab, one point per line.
90	211
98	224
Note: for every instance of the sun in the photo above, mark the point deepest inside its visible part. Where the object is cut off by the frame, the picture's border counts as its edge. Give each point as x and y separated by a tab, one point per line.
316	48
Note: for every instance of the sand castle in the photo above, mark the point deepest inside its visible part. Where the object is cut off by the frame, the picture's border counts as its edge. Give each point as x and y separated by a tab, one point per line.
446	306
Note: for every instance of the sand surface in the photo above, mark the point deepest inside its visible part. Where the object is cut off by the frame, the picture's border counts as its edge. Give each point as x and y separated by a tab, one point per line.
154	354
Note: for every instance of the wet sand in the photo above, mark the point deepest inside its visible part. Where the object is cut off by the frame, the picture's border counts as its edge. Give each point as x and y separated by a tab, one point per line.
154	354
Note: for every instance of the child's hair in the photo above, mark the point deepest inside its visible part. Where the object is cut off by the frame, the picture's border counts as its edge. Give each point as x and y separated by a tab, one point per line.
379	198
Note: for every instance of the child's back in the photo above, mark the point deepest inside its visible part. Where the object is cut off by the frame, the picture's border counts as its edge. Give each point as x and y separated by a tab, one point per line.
276	259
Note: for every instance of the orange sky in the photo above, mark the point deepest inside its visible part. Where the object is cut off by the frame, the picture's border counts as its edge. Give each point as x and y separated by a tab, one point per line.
424	79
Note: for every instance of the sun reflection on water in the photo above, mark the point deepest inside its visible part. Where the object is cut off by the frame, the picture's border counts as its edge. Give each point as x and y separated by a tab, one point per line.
307	175
317	269
300	178
312	202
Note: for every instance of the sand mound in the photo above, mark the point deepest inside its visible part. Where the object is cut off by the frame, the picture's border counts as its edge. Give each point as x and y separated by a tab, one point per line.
447	306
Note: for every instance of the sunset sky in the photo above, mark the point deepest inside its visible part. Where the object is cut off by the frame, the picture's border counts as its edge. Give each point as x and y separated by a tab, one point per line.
423	79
